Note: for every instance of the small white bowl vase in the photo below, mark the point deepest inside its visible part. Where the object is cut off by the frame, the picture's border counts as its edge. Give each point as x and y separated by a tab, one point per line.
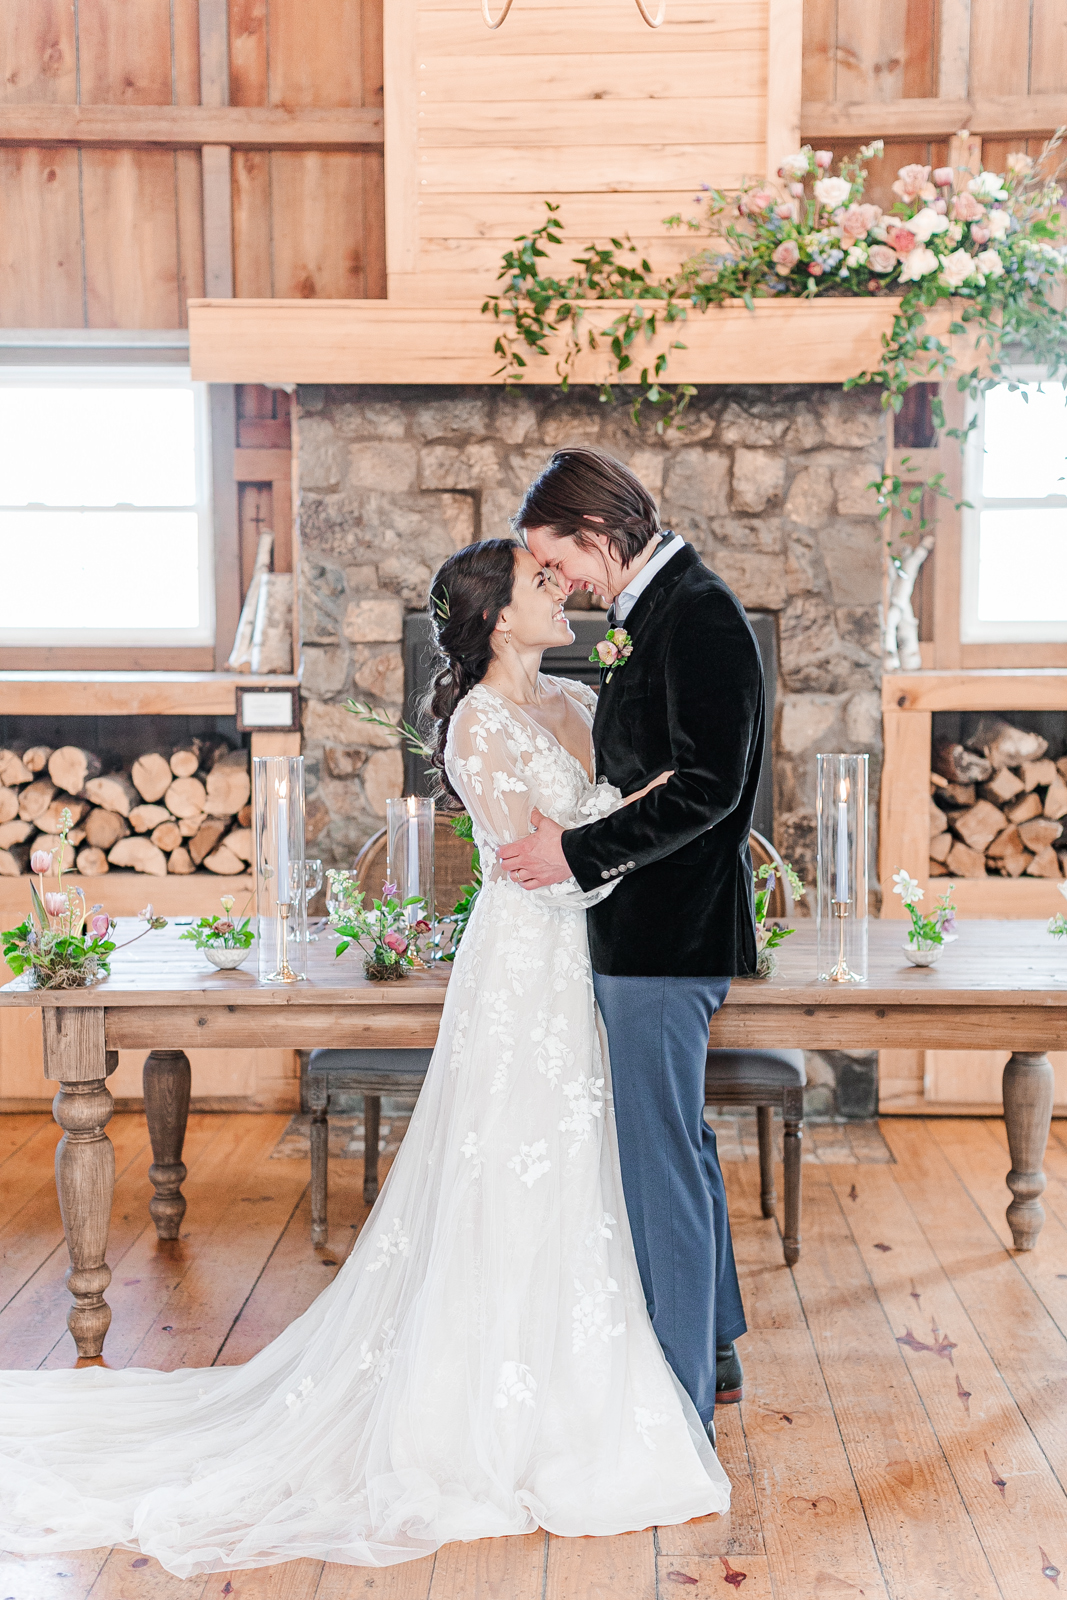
927	956
225	959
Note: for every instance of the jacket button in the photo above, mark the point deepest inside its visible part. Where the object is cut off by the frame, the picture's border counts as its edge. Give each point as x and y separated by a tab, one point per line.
605	874
631	865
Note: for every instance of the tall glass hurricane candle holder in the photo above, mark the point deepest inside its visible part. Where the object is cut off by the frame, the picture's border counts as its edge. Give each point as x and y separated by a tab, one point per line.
410	823
278	816
841	909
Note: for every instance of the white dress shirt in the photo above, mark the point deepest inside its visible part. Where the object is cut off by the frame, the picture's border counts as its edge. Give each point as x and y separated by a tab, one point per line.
625	602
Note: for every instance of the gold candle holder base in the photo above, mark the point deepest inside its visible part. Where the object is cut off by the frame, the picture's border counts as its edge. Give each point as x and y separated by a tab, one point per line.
285	973
840	972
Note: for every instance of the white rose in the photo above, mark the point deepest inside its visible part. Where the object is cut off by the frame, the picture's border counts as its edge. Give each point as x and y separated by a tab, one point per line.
956	269
857	256
989	264
987	186
998	223
926	223
796	166
918	263
831	192
954	234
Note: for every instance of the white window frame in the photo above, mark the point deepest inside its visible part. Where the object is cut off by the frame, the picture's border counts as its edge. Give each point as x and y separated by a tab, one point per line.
974	630
141	377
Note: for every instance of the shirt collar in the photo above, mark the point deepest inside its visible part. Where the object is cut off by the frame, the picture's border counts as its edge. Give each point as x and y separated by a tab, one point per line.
625	602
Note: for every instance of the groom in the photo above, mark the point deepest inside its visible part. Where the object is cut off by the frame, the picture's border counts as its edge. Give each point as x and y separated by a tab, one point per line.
664	946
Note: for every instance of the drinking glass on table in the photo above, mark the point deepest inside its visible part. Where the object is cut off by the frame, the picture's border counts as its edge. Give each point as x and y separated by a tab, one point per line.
311	885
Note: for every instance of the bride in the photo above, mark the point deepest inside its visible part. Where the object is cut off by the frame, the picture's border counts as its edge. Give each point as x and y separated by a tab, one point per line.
483	1363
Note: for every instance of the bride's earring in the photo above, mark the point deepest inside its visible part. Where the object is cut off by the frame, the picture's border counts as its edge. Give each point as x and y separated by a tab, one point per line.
507	636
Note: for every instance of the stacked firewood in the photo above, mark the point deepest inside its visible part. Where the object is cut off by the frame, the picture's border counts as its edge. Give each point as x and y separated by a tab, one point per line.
996	806
172	811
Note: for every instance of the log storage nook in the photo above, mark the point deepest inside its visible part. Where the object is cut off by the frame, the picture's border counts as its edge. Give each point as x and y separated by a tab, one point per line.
297	300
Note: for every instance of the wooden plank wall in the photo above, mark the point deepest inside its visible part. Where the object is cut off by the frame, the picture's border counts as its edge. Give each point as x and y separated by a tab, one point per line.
579	103
980	55
106	235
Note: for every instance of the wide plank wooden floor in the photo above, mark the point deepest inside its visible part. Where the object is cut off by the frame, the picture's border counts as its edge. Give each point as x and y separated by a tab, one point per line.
904	1432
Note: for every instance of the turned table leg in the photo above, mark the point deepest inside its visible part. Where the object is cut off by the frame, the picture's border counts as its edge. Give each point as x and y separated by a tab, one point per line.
166	1080
85	1163
1028	1087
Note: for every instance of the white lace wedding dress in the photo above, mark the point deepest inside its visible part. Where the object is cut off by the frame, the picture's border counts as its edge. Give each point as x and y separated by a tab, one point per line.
483	1363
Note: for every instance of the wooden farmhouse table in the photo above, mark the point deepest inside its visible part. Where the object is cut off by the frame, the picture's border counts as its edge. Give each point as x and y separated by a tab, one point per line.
1001	985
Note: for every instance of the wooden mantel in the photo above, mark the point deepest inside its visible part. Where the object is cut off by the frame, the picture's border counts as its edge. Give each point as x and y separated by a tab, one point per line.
376	341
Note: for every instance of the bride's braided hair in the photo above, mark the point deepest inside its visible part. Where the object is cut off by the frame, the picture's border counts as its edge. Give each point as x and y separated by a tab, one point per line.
467	595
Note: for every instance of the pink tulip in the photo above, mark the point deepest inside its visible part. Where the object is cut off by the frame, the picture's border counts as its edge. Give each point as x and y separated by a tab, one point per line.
41	862
943	177
393	941
388	891
55	904
824	158
100	925
756	202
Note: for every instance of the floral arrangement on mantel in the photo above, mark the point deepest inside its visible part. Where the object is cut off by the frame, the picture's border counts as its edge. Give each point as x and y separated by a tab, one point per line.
64	944
995	243
1057	925
928	935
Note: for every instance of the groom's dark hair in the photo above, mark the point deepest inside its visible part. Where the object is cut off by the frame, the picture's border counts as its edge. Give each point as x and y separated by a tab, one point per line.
582	492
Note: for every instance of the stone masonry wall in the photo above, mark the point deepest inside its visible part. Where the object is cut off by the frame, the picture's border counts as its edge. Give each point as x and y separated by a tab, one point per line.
768	483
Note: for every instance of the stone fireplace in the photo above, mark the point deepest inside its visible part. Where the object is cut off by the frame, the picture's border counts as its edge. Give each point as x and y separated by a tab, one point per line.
768	483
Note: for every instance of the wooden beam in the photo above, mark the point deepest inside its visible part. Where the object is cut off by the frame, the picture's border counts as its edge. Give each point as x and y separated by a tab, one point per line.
401	145
785	49
218	219
954	50
213	17
262	466
925	119
377	341
188	127
228	594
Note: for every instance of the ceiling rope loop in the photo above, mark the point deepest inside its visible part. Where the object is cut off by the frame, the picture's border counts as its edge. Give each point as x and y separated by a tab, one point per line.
653	22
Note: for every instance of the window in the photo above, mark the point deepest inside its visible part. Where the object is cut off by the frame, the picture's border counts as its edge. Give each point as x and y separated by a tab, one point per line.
1014	557
105	512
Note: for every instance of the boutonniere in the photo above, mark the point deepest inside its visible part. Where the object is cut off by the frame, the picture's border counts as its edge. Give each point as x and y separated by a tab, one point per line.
613	652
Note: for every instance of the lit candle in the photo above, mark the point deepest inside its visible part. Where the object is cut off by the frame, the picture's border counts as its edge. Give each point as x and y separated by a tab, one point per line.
413	854
284	887
841	888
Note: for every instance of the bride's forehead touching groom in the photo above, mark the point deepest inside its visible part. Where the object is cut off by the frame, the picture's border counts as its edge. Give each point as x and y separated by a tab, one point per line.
685	695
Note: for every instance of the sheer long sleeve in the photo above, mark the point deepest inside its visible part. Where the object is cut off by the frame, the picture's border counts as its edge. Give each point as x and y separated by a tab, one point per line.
501	774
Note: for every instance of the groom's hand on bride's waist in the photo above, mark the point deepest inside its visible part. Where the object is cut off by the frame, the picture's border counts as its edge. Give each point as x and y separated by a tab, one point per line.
537	860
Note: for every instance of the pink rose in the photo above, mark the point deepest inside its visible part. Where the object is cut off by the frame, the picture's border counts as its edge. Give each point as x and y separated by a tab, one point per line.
100	924
858	220
607	652
756	202
824	159
814	269
881	258
222	925
965	208
55	904
393	941
422	926
784	211
786	257
41	862
943	177
797	190
981	235
910	181
902	240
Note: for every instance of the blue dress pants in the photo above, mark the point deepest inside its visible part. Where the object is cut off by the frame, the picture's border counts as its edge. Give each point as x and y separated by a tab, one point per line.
658	1038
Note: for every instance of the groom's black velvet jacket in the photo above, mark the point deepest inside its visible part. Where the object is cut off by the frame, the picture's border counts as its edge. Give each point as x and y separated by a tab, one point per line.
690	697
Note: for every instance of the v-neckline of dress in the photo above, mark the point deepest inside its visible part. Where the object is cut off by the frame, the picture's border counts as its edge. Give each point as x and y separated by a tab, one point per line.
514	706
